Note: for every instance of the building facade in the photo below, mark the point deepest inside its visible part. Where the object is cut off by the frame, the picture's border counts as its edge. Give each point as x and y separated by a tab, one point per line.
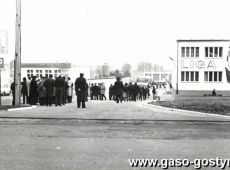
152	76
203	65
45	69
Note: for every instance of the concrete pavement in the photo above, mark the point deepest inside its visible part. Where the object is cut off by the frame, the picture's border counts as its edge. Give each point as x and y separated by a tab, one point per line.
109	110
106	135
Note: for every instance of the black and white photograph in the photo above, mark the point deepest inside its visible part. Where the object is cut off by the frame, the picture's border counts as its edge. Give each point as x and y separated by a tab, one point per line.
114	84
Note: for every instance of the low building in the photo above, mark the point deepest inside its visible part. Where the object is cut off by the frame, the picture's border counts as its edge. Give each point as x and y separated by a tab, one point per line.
44	69
151	76
203	65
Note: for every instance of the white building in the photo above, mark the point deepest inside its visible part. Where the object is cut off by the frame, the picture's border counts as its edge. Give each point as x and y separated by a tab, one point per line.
202	65
159	76
44	69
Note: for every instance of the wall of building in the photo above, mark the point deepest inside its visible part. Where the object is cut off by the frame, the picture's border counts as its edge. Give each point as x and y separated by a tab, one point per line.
203	66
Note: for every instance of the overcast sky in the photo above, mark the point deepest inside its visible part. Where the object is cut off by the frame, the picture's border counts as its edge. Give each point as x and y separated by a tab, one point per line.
112	31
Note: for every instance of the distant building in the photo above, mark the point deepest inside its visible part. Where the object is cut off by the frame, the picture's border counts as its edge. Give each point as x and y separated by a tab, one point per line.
203	65
99	72
5	72
151	76
44	69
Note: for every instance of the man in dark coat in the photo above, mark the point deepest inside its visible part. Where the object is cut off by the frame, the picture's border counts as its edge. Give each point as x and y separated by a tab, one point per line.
118	89
81	90
33	91
65	87
59	84
111	92
136	90
91	91
12	87
24	91
130	92
49	85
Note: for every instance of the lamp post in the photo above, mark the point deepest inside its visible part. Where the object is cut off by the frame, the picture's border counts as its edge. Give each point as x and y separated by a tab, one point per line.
17	60
175	66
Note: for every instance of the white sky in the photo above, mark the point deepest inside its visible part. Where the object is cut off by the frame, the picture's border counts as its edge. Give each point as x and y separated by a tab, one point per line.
112	31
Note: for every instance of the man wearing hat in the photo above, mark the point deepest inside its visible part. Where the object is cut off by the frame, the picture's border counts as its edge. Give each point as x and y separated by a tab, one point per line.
81	90
118	89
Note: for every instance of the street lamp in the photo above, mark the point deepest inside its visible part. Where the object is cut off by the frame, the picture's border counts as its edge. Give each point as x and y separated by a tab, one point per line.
175	65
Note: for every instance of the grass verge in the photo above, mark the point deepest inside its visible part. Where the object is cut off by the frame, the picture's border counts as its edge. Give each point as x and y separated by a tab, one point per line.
201	104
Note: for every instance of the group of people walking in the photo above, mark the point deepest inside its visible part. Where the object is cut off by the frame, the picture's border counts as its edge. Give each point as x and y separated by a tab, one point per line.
97	92
128	92
45	91
59	91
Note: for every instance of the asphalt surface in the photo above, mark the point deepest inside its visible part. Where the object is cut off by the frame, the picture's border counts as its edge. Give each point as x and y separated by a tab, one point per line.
106	135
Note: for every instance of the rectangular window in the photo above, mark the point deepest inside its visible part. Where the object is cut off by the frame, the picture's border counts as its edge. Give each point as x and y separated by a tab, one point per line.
220	51
55	71
40	71
216	52
187	51
215	76
182	52
31	71
49	71
196	76
187	75
210	52
28	71
197	51
37	71
210	76
46	71
220	76
206	51
59	71
192	51
192	76
182	76
205	76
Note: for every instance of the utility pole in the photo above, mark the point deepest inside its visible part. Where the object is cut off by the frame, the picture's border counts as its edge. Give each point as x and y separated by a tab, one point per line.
17	60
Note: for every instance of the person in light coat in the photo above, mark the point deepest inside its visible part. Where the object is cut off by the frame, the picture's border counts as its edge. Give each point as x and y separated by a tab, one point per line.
69	90
102	91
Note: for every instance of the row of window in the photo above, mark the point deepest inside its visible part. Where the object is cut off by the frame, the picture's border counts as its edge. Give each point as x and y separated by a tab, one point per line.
209	76
190	76
46	71
190	51
209	52
213	51
40	75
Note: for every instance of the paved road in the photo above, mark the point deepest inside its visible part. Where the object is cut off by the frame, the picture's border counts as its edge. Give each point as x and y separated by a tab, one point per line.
106	135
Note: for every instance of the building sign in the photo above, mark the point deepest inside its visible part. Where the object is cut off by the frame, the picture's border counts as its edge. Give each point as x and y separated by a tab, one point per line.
198	64
1	63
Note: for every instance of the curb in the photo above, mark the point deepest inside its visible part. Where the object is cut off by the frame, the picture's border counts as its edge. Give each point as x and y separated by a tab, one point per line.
21	108
109	120
185	111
